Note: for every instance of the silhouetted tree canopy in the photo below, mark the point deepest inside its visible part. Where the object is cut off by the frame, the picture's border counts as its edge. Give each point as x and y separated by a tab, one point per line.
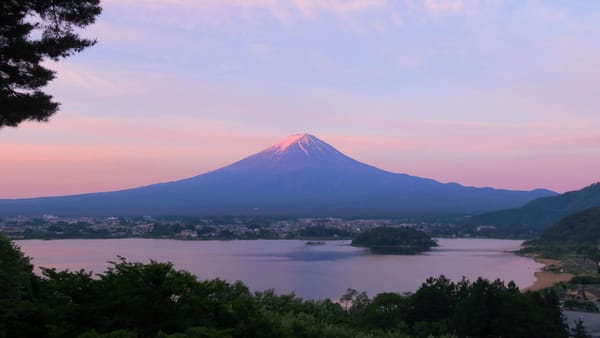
32	31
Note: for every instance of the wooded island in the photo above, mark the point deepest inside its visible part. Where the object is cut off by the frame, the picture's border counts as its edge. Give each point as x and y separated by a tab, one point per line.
394	240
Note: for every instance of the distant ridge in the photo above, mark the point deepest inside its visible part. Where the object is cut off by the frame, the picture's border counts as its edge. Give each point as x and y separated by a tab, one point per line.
300	176
544	212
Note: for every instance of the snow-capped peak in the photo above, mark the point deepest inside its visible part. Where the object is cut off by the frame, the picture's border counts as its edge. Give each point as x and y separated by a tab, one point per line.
294	152
304	142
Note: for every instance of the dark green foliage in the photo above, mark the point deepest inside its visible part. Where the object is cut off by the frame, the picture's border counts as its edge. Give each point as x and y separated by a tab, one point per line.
73	297
580	305
148	297
483	309
585	280
400	240
133	300
577	234
19	289
16	272
30	32
579	228
387	311
434	301
498	310
579	330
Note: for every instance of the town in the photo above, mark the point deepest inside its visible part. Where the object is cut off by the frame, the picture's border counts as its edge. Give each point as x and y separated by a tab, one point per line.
195	228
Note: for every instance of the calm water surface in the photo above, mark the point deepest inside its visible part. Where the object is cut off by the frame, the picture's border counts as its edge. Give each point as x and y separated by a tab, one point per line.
323	271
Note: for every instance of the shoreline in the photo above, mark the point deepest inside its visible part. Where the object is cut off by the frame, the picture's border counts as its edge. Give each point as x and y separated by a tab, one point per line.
545	279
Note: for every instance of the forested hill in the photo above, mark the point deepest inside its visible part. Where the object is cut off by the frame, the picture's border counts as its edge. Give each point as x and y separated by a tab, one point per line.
579	228
543	212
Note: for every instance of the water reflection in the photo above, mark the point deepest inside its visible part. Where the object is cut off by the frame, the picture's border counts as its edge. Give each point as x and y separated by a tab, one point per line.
312	271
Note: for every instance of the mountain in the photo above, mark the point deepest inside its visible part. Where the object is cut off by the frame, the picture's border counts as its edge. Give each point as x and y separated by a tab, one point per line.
543	212
579	228
301	176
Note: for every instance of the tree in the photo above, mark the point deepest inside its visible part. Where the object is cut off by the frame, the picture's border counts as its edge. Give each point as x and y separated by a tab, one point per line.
347	298
579	330
388	310
32	31
18	294
148	297
434	300
16	272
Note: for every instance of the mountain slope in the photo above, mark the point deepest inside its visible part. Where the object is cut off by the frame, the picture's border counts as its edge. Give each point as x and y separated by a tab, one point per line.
580	228
543	212
300	176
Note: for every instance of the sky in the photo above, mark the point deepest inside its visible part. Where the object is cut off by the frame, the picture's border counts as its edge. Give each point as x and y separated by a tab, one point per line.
493	93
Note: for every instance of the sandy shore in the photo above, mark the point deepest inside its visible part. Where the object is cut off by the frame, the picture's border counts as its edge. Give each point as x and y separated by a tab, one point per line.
546	279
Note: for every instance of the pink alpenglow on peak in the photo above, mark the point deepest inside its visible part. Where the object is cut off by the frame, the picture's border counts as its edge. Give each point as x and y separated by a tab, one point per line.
296	151
290	140
305	142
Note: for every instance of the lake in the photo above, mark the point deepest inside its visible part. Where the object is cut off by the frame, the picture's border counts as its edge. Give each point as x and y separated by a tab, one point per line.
315	272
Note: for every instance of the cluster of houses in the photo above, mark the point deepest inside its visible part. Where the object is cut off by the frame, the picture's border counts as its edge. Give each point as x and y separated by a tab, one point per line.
51	226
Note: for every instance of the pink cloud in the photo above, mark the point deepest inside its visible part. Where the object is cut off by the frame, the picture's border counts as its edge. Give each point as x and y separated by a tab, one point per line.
437	7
